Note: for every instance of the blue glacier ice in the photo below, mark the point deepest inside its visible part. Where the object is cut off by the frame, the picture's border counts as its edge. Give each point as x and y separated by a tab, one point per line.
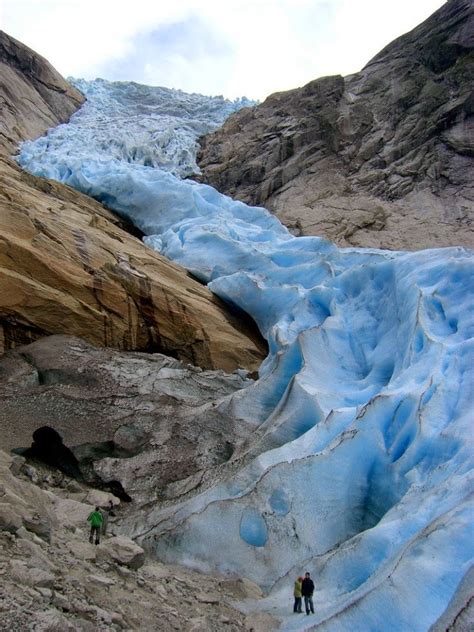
147	125
360	467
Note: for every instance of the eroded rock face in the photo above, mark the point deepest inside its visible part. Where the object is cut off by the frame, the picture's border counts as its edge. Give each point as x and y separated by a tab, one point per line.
147	421
381	158
67	267
35	96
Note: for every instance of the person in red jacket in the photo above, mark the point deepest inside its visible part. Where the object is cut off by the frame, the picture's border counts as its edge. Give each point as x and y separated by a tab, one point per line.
307	590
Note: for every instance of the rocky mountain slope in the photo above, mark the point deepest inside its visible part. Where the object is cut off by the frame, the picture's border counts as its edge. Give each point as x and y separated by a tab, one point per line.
66	264
52	579
382	158
151	423
33	96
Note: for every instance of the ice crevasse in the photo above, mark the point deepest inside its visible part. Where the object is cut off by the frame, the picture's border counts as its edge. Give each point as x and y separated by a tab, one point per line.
361	464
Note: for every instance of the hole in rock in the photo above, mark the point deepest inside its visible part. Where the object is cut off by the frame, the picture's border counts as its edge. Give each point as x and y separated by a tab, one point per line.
108	201
235	313
241	320
48	447
17	334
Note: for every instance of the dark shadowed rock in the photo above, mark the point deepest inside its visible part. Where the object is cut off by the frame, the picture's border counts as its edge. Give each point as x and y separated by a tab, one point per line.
48	447
381	158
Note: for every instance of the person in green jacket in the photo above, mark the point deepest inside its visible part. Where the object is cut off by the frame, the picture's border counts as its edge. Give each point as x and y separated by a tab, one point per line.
297	594
96	520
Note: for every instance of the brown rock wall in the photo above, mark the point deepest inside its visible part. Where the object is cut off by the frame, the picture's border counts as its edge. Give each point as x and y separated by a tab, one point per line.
33	96
66	266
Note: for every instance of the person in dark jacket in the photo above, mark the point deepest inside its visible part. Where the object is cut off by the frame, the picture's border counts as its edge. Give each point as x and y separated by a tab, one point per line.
307	590
96	520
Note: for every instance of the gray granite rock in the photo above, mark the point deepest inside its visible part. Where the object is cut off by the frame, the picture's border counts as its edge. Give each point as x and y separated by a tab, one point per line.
382	158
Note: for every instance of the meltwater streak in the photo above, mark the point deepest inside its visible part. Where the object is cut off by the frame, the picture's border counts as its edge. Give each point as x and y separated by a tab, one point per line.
362	470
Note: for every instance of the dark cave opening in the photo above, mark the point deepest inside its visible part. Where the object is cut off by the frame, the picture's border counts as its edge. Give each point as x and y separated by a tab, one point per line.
48	448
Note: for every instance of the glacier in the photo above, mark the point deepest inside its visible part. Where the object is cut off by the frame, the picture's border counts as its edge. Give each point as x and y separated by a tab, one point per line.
148	125
360	467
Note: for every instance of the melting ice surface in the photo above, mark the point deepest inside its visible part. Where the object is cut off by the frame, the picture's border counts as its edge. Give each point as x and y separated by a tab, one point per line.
360	468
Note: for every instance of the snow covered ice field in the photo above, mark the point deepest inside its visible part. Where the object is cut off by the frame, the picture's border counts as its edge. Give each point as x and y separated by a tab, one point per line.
361	465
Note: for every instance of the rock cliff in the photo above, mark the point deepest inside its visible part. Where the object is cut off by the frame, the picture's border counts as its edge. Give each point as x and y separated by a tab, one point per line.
33	96
66	264
149	421
382	158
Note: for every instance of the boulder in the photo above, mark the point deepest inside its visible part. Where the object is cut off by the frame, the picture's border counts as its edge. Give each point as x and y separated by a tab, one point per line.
10	520
71	513
82	550
31	576
39	524
122	550
23	506
52	620
242	588
98	498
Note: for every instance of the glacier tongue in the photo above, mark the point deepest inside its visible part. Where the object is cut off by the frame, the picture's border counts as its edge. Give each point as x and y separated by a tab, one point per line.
152	126
360	469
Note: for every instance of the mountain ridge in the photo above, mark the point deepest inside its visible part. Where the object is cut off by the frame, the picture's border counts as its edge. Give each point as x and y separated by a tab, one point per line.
381	158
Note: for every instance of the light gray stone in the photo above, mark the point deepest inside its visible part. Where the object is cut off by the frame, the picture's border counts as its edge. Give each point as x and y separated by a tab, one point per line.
122	550
52	621
31	576
241	588
10	520
82	550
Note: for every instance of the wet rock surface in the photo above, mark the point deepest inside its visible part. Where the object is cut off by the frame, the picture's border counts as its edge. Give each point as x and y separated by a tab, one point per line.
67	267
382	158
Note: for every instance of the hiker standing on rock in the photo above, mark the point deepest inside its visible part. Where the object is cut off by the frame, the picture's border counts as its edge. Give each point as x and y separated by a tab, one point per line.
96	520
307	590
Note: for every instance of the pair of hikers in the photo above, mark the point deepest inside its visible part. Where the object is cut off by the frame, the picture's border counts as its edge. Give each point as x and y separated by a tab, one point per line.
304	589
98	520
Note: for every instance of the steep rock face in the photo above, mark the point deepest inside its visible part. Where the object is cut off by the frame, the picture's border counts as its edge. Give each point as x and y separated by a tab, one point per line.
66	265
33	96
146	420
382	158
